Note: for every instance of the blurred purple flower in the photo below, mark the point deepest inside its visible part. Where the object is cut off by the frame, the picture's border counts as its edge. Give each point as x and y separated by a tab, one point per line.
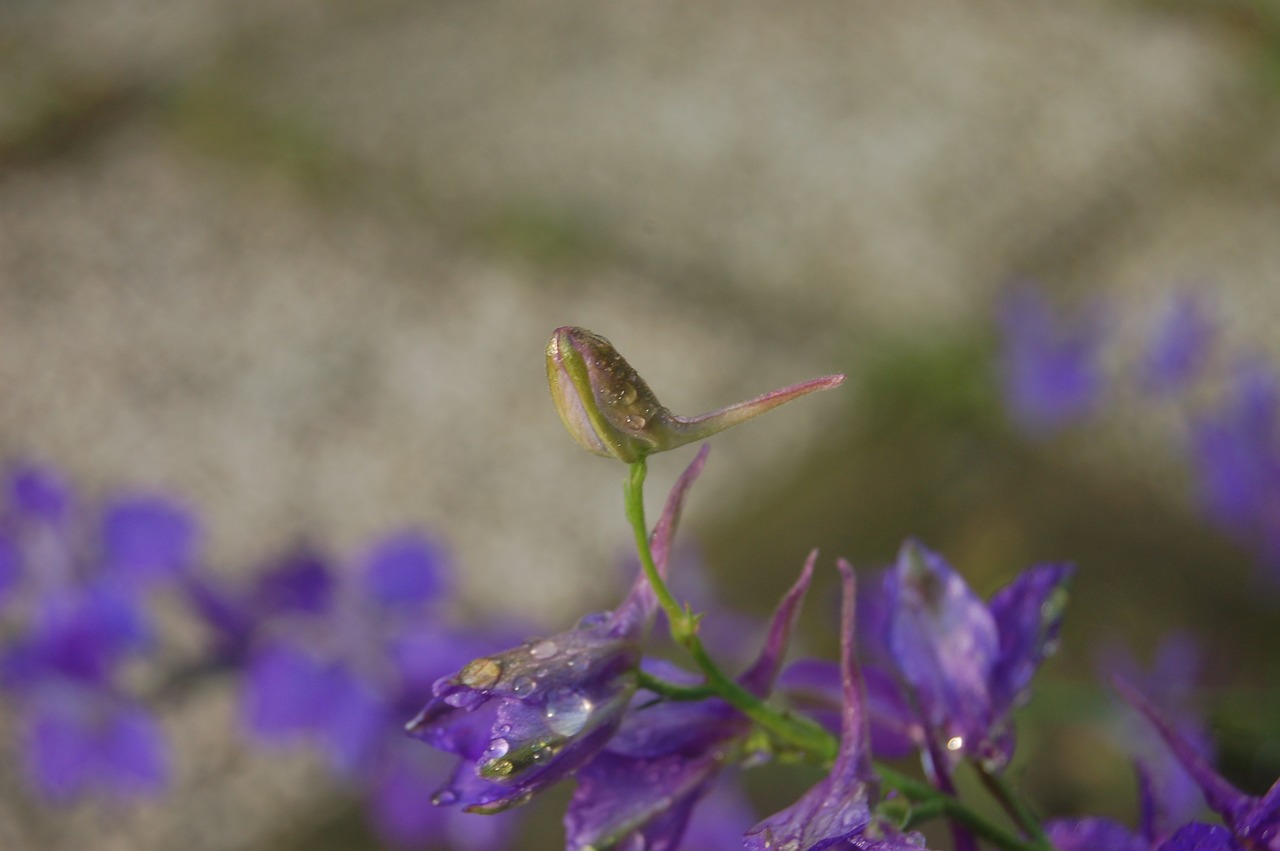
84	741
644	786
77	595
1178	349
1254	822
522	720
1169	795
1051	371
1236	458
836	813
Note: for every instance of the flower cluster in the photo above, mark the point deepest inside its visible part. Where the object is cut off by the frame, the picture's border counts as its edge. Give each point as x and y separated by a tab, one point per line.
339	653
1053	378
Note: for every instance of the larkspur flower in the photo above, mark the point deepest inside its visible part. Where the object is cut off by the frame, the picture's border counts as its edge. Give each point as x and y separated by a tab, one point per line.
79	584
641	790
836	812
610	410
1051	370
967	664
522	720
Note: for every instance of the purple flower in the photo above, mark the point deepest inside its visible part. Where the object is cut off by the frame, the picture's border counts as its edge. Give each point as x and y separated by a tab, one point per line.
81	740
836	813
1093	834
1236	458
1051	372
522	720
969	665
76	587
1179	347
1253	822
644	786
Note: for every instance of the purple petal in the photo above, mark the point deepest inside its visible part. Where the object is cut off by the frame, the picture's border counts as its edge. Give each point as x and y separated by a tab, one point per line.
80	740
760	676
719	819
1028	615
1198	836
405	570
1221	796
621	798
945	643
1051	371
837	808
148	538
1179	347
134	753
10	569
38	492
813	686
285	690
356	720
1093	834
301	582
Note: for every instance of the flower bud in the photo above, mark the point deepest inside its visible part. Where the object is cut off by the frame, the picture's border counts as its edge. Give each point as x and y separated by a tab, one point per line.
610	410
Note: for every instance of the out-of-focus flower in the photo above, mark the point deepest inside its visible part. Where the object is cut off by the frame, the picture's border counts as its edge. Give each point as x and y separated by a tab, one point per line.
968	665
836	813
1169	795
644	786
1253	822
610	410
1178	349
1236	457
1051	370
74	588
522	720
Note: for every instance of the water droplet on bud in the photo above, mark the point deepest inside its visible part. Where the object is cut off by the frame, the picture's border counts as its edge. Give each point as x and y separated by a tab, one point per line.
544	650
480	673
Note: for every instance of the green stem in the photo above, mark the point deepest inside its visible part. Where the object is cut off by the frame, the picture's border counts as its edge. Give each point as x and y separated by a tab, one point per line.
675	691
795	730
1017	809
940	802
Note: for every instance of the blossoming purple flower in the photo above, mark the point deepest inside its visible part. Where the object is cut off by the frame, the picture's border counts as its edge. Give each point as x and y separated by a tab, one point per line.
969	665
1051	372
836	813
522	720
643	787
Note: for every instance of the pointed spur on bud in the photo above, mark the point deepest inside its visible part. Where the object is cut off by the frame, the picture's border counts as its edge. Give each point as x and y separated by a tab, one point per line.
610	410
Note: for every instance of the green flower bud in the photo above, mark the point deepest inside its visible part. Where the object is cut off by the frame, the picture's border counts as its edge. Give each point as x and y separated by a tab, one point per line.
610	410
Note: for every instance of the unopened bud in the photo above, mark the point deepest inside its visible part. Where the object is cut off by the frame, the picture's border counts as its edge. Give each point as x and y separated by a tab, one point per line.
610	410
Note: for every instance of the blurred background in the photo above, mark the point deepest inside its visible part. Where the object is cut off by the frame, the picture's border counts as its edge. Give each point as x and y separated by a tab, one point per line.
296	262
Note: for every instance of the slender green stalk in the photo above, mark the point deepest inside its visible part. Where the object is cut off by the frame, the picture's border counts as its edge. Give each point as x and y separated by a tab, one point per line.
1013	804
675	691
795	730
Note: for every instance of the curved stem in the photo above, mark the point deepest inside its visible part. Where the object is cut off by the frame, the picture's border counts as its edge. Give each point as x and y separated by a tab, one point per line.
795	730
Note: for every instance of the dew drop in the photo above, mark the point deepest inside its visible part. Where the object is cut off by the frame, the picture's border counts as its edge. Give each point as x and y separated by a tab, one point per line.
567	712
502	729
523	686
955	743
480	674
635	421
497	749
444	797
497	768
544	649
627	394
